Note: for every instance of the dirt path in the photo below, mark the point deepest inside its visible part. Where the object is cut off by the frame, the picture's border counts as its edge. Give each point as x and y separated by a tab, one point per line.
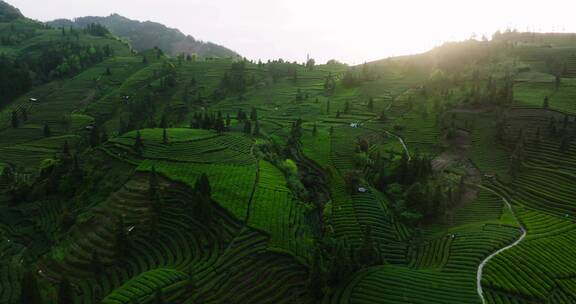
487	259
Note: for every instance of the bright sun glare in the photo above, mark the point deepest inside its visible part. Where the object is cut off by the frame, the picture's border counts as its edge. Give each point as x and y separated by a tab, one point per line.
350	31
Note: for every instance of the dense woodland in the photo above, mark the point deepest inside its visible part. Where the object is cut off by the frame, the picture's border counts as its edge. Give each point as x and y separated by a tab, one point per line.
147	177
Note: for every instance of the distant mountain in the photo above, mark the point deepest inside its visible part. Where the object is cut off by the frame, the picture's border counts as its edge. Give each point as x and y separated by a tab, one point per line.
146	35
8	12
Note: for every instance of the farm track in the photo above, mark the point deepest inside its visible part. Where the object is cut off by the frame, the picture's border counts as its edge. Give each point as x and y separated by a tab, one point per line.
487	259
400	139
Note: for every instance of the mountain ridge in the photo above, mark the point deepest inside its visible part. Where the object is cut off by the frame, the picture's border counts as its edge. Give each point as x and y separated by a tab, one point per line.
148	34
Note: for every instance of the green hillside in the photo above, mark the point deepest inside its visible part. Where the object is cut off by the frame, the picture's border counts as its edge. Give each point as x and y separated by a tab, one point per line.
135	177
147	35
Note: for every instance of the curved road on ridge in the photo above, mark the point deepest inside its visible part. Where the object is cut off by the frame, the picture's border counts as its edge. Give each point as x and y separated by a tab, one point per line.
481	266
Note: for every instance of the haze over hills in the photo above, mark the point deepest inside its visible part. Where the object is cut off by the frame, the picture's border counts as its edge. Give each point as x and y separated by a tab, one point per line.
138	177
147	35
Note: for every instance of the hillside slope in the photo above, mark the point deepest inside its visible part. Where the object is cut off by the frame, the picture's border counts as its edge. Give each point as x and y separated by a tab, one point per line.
147	35
8	12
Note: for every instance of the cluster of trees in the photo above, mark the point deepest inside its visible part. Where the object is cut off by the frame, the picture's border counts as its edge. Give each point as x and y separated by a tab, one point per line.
96	29
333	261
301	96
355	76
234	81
209	121
16	34
329	85
16	118
279	69
67	58
15	78
141	108
54	59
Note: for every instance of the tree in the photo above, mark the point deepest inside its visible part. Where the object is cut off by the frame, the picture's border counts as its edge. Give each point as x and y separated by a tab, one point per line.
202	186
219	125
546	103
363	145
94	137
121	238
383	117
257	129
328	106
204	207
314	130
15	120
310	64
163	122
352	179
368	254
164	136
24	114
66	148
65	295
30	293
138	144
46	130
228	121
247	127
253	114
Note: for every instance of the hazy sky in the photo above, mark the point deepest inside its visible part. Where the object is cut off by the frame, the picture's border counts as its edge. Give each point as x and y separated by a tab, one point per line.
349	31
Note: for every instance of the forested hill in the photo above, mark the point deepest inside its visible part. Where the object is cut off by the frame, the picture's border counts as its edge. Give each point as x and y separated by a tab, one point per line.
147	35
8	12
32	53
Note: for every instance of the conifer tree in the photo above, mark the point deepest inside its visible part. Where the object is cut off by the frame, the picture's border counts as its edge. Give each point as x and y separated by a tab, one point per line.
368	254
66	148
347	107
257	128
164	136
121	238
15	120
24	114
247	127
138	144
46	130
228	121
